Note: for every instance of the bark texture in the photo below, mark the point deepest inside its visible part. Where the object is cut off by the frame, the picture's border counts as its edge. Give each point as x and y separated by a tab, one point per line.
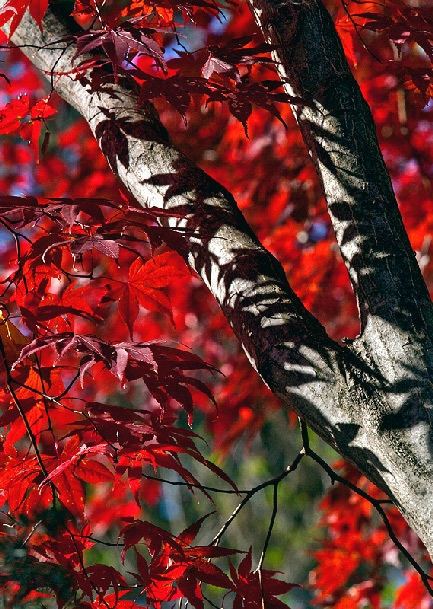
372	400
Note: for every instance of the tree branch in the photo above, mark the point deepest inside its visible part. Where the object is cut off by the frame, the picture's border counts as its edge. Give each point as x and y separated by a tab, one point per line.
283	341
339	392
339	132
396	312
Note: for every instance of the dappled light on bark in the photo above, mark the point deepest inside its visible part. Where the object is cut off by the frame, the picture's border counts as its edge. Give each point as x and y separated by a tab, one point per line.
110	349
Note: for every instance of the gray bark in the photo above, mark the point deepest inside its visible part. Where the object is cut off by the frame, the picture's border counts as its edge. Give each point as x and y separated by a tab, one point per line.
371	400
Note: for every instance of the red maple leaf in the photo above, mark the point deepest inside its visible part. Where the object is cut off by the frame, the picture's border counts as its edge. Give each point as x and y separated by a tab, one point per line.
15	9
146	284
255	590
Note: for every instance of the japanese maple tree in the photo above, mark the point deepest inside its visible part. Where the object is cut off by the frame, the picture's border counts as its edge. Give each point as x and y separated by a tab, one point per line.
111	346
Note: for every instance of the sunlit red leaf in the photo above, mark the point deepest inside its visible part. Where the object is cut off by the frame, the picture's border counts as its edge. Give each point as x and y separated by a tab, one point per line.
71	492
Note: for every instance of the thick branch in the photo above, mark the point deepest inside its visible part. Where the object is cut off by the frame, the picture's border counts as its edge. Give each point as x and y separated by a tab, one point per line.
340	135
283	341
336	391
395	308
339	132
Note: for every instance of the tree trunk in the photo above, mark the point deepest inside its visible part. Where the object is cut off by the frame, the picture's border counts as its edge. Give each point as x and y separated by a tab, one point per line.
371	400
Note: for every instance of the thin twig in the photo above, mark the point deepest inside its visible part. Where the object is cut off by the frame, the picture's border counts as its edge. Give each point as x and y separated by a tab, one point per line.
16	401
30	433
355	25
376	503
105	543
267	540
46	406
83	568
197	485
210	602
271	526
289	469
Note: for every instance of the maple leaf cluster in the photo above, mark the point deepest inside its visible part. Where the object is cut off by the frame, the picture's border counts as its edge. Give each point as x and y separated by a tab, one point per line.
50	393
77	440
131	43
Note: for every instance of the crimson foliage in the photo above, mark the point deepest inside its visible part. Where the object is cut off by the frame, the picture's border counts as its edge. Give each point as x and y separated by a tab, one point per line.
93	289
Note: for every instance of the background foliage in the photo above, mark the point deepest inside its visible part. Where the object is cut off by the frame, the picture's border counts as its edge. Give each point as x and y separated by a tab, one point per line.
88	423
